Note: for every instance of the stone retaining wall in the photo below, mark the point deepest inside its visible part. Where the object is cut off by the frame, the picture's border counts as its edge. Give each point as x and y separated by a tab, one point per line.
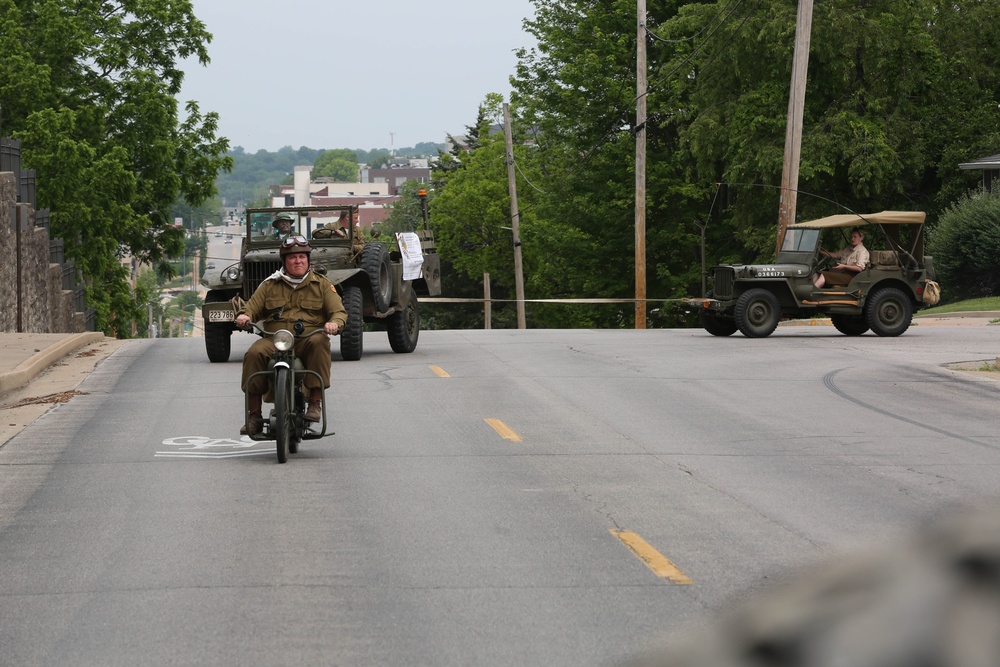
32	299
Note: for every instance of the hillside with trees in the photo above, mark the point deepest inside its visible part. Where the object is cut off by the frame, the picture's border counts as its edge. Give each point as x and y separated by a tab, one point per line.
252	173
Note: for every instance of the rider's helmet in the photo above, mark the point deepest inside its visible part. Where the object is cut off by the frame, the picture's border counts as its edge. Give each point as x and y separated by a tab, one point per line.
280	217
293	244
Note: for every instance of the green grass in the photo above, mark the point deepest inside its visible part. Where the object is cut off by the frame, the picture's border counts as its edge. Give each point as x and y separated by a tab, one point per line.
968	306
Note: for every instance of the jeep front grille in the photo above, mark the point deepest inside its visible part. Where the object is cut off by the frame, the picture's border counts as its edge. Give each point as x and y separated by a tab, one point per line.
256	272
722	283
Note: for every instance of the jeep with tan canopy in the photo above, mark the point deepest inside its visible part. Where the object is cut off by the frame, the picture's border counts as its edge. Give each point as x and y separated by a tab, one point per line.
882	297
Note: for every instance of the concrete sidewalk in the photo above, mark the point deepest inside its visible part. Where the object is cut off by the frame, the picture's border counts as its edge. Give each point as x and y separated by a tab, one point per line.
24	356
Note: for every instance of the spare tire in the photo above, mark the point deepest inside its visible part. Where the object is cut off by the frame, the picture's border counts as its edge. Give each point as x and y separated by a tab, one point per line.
375	262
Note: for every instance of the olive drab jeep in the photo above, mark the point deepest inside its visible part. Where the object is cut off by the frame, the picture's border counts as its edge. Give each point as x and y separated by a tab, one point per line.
899	280
378	282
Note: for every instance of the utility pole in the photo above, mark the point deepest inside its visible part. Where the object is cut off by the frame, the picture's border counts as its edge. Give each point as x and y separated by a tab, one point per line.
514	221
640	167
793	133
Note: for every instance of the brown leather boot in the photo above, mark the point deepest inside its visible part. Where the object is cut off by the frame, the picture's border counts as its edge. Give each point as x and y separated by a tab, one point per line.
255	421
315	411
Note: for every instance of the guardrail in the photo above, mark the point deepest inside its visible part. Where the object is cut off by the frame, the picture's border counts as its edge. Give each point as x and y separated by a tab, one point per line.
487	302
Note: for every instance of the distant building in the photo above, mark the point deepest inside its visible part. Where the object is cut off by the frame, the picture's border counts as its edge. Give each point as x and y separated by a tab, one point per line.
393	178
372	199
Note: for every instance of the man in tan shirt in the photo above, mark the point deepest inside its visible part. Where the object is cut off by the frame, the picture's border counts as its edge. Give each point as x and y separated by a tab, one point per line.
853	261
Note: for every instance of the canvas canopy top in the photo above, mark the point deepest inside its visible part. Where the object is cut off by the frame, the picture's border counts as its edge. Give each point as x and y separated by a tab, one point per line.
861	219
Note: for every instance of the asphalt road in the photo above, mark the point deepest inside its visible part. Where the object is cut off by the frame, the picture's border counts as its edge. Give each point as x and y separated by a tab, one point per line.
478	500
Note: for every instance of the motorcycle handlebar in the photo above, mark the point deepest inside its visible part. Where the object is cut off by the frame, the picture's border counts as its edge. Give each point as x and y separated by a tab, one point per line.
254	328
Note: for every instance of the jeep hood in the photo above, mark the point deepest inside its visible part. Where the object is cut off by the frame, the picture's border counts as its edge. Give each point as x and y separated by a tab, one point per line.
783	270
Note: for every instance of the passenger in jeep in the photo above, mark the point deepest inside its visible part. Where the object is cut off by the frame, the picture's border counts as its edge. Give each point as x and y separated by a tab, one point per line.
282	226
853	260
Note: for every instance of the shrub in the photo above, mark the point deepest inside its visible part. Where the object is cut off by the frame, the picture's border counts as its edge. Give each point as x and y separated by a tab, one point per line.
966	247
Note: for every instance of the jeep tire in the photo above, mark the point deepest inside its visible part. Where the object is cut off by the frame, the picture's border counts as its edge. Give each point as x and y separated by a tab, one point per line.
218	335
889	312
352	337
757	313
218	341
375	262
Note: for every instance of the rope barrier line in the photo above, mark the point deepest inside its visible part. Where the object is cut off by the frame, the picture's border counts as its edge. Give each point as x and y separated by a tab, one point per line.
464	300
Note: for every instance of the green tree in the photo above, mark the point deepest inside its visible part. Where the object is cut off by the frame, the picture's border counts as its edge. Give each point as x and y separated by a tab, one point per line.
406	214
92	95
896	97
575	98
339	163
965	245
898	94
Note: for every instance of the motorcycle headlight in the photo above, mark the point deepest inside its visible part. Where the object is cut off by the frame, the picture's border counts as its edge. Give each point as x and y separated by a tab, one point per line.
284	340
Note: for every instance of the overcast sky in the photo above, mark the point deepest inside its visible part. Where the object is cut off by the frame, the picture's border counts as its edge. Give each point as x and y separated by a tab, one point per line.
352	73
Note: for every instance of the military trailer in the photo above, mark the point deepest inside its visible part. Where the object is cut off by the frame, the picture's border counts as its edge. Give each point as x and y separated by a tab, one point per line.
898	281
369	276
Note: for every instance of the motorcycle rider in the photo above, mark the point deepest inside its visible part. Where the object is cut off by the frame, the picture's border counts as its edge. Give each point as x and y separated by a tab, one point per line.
289	295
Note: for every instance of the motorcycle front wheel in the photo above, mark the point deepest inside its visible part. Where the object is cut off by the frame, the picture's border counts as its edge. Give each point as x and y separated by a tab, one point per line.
283	404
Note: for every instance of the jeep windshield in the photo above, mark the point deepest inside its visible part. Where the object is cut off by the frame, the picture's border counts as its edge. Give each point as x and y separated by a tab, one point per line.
305	221
800	240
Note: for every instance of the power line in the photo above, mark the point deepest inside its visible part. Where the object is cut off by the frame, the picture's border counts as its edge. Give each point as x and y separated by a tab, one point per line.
689	58
692	37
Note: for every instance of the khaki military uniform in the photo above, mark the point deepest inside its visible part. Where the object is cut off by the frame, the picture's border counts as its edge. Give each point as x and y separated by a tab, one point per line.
281	304
856	256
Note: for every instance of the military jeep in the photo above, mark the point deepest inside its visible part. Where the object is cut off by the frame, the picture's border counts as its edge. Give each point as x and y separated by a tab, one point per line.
369	276
753	298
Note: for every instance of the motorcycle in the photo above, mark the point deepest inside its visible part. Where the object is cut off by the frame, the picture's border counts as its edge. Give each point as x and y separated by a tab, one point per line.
285	373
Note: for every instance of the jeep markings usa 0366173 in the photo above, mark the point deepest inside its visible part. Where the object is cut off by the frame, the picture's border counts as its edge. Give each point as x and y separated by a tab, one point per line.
898	280
373	278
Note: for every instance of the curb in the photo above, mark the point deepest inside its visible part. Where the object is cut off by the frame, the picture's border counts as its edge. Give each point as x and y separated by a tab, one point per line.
27	370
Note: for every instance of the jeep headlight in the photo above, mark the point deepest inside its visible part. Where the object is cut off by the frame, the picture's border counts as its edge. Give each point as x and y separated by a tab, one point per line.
233	273
283	340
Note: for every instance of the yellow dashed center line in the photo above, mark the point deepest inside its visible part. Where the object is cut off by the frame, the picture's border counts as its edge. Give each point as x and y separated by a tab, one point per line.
654	560
505	431
440	372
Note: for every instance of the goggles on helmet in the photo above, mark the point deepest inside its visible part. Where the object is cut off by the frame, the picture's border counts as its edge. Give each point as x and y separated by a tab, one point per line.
290	241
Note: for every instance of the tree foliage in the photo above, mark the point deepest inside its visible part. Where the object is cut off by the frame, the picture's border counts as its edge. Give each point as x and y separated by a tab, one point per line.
898	94
895	100
575	96
90	88
338	163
